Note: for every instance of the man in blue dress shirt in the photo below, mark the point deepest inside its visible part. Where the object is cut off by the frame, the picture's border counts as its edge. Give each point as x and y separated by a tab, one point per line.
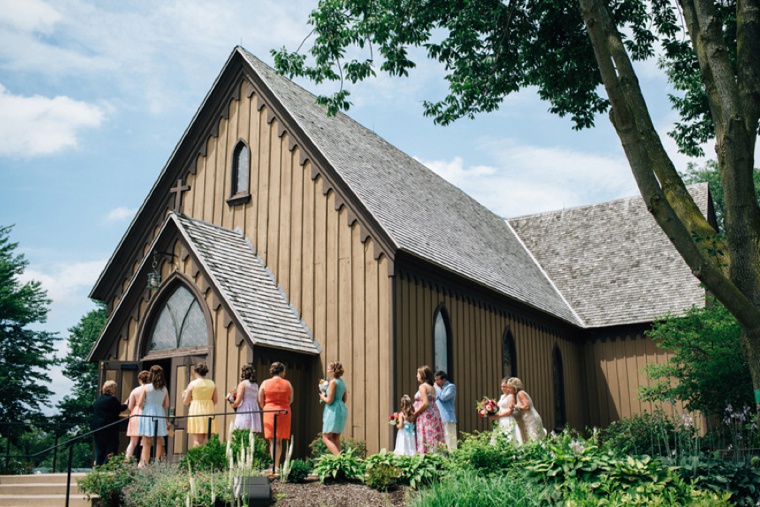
446	392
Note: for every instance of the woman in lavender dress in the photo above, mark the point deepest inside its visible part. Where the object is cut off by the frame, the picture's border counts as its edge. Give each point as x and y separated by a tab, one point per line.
248	415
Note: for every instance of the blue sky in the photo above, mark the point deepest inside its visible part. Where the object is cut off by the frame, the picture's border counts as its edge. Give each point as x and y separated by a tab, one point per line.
94	95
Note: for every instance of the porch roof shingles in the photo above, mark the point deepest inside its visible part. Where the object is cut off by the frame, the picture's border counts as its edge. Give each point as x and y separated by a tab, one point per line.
248	286
418	210
612	261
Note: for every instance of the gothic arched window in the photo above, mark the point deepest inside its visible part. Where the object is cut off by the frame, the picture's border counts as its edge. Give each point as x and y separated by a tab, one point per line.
180	323
560	415
441	341
241	169
508	355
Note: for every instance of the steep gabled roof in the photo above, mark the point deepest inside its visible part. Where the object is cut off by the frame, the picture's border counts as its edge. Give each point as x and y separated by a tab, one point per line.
419	211
612	261
239	278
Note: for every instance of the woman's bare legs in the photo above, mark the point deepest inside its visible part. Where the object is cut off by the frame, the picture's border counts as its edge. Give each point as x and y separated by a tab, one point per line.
147	442
332	442
131	447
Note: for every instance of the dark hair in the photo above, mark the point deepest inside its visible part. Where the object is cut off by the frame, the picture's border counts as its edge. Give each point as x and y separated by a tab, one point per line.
337	369
201	369
276	368
248	373
441	374
427	374
157	376
144	376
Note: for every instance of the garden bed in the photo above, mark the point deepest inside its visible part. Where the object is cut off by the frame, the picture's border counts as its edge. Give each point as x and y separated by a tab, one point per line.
339	494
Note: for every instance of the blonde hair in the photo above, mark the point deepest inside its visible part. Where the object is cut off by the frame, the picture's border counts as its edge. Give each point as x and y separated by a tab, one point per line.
516	383
109	387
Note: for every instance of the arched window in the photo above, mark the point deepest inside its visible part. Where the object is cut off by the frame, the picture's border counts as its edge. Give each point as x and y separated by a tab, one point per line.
560	415
181	323
508	355
442	341
241	169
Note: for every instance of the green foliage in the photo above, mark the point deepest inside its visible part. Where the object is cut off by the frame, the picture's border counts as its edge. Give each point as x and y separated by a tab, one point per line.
707	369
299	470
109	481
382	476
207	457
26	355
241	439
76	409
163	485
467	489
477	452
725	477
420	469
344	466
318	448
654	434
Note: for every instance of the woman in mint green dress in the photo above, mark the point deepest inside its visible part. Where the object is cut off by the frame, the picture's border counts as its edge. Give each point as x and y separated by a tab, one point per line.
335	414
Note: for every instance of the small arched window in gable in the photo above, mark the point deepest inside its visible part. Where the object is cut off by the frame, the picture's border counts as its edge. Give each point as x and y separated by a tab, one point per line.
508	355
560	414
180	323
240	176
441	341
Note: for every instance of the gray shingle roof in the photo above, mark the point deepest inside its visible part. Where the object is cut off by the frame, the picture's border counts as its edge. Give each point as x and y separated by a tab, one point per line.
422	213
612	261
248	287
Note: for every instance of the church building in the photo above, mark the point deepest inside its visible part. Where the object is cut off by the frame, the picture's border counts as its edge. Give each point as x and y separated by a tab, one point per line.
277	233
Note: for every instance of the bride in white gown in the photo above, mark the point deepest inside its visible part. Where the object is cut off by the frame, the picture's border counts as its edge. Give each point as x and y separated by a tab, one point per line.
505	422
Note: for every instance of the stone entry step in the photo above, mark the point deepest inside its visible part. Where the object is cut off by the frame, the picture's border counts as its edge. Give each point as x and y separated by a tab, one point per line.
40	490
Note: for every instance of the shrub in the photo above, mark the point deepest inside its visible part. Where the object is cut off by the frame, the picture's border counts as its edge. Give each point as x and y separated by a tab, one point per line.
299	470
654	434
108	481
344	466
420	469
318	448
165	485
477	452
467	489
241	439
207	457
721	476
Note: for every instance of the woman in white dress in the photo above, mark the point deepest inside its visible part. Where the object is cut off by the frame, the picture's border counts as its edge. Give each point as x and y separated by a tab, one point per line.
505	421
527	417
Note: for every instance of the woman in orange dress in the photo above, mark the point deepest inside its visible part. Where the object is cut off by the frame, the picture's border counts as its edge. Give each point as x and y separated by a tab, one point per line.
276	393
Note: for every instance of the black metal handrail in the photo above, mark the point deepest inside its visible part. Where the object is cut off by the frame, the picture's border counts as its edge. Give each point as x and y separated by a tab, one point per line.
71	441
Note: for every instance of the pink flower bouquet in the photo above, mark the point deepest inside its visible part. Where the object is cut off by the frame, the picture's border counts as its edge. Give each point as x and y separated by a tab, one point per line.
486	407
231	396
393	419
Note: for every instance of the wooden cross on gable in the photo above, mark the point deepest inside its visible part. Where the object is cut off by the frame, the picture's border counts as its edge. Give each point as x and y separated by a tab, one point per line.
177	191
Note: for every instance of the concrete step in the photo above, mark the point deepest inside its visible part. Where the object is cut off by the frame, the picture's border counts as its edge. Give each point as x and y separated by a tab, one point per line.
40	490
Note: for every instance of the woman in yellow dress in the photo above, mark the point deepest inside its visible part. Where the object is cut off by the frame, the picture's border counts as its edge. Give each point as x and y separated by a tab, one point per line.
201	396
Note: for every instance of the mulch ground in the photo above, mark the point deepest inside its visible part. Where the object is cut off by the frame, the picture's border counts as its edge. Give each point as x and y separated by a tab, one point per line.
342	494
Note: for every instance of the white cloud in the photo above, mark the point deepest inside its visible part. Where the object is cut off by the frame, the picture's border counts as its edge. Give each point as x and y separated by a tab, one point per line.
36	125
29	15
66	283
119	214
532	179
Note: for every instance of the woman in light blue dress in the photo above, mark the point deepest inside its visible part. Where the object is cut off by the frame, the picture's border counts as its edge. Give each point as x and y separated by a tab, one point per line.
154	399
335	414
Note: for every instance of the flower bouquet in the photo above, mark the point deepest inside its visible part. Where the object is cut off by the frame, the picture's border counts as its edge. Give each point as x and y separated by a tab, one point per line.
394	418
486	407
231	396
323	385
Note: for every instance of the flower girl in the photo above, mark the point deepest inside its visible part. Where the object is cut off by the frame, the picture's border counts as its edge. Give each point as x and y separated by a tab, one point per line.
405	439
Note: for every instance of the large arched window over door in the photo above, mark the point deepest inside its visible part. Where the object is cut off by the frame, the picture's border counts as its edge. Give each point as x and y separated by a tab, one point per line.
442	341
180	323
508	354
560	414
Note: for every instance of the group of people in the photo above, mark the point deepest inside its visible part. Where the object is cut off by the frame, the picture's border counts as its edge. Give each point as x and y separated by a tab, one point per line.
428	424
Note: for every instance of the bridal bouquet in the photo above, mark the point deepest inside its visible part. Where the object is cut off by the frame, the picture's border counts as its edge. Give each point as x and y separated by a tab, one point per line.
486	407
231	396
323	385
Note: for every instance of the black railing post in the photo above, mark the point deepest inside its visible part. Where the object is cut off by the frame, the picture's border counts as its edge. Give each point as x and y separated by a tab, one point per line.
55	451
68	474
155	440
274	443
208	430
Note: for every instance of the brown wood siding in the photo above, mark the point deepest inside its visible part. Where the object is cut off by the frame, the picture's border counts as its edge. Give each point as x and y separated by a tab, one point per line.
477	329
323	262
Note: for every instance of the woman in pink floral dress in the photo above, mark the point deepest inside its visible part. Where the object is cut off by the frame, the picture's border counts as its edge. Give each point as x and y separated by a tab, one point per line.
427	418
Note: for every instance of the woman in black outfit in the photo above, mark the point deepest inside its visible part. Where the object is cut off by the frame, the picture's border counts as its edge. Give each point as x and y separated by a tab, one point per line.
105	411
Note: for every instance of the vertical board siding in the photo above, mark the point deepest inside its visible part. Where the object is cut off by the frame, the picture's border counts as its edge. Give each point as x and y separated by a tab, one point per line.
477	330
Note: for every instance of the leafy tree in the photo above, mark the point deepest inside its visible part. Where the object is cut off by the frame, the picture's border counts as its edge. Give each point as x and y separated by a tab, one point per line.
25	354
707	369
566	50
76	409
710	174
